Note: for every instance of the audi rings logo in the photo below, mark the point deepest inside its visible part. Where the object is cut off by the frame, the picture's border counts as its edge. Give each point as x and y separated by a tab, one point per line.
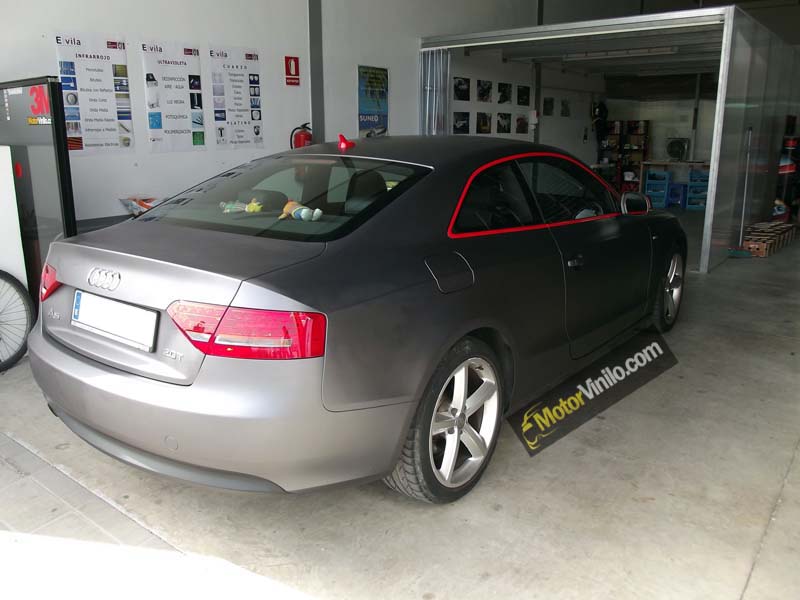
104	279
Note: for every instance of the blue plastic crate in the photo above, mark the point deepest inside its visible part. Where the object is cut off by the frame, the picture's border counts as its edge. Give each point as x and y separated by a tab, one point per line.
697	191
656	188
695	175
677	195
658	200
663	176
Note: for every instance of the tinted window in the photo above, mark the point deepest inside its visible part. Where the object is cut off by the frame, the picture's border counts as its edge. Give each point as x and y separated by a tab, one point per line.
495	200
330	195
564	191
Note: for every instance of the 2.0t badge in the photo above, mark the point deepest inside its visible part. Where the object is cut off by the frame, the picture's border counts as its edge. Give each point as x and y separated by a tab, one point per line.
104	279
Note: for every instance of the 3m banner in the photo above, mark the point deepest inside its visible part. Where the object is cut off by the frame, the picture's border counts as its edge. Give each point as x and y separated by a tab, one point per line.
588	393
93	70
173	96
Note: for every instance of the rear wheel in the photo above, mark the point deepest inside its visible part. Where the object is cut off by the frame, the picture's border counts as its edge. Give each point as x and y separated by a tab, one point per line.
670	293
16	320
455	429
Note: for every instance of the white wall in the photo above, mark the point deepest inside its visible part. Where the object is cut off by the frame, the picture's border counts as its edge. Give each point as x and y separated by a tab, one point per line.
386	34
567	132
668	119
275	27
565	12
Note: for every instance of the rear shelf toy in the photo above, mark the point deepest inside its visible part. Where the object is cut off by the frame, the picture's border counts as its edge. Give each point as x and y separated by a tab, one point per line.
299	212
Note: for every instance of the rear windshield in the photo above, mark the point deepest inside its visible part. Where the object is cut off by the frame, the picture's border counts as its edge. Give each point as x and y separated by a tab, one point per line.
313	198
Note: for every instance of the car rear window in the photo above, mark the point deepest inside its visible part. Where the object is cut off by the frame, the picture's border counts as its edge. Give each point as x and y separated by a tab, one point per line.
304	197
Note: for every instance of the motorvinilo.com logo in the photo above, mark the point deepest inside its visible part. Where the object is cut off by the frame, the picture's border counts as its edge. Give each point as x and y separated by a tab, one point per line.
591	391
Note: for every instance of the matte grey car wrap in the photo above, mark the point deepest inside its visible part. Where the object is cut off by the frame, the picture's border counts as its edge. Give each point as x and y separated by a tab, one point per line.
397	292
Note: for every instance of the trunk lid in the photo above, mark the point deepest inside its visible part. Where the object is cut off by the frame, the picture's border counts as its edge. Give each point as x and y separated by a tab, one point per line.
157	264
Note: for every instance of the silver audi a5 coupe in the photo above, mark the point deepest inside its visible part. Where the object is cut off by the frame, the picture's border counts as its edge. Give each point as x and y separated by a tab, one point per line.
344	313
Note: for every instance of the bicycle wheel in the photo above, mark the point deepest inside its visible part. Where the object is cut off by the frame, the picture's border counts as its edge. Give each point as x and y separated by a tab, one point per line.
16	320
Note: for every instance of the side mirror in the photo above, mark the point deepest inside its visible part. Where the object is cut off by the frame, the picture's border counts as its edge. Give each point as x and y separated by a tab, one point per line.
635	203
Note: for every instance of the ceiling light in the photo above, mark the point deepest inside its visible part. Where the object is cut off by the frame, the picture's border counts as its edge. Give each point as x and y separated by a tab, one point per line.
614	54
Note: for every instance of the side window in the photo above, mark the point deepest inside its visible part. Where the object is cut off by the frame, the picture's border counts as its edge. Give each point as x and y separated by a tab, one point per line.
495	200
564	191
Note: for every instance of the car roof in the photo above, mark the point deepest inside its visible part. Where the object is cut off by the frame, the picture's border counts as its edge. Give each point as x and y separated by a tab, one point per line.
430	150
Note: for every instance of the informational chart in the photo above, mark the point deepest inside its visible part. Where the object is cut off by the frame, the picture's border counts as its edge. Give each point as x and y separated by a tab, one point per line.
236	96
93	70
173	96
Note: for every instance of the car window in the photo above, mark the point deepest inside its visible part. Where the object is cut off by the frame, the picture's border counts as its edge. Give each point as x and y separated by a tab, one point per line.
337	185
302	197
495	200
284	180
564	191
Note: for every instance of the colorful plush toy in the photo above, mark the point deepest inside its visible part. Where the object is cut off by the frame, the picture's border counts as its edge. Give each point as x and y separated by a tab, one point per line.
300	212
253	206
232	207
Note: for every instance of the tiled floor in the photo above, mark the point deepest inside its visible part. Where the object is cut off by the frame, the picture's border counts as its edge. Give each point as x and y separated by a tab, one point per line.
38	498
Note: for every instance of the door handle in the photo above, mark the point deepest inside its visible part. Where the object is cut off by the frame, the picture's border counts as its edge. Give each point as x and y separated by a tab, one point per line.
576	262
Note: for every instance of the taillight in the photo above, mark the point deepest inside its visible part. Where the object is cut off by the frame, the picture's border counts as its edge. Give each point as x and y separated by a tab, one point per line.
198	322
250	333
49	282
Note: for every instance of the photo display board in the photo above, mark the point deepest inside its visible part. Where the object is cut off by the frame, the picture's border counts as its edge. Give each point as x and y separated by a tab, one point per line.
173	96
236	96
512	117
93	70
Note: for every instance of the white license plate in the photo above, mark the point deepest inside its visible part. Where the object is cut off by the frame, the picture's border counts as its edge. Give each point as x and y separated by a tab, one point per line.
118	321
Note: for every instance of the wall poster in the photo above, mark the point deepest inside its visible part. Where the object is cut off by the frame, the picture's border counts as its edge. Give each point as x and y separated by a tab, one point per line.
97	103
373	101
173	97
236	96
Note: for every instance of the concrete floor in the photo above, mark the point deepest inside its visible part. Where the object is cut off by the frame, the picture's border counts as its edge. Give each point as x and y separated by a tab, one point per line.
688	488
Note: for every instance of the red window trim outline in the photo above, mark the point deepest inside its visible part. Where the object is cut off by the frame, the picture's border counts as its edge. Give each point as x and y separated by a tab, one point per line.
468	234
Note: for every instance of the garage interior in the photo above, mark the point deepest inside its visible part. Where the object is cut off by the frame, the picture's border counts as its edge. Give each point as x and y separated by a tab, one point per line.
688	487
650	99
655	76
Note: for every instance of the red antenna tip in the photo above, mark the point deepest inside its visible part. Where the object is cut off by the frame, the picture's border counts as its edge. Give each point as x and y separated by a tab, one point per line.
344	143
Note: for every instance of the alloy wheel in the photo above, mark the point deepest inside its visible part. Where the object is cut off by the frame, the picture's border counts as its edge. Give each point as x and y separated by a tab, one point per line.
464	422
674	288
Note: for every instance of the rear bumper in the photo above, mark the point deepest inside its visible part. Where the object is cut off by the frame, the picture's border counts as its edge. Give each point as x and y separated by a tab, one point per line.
242	424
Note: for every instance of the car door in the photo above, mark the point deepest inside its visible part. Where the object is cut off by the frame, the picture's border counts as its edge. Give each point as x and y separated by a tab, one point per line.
517	267
605	255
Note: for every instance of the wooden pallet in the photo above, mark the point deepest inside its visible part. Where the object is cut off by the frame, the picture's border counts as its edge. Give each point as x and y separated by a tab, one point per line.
764	239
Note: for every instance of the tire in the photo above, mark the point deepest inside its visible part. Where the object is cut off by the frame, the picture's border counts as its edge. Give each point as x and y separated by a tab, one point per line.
431	447
16	320
671	286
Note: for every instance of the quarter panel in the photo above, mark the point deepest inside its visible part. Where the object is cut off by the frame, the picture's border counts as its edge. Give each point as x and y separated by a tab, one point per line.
384	350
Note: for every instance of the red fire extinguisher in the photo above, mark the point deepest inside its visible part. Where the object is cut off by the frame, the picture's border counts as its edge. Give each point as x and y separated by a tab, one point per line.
300	136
